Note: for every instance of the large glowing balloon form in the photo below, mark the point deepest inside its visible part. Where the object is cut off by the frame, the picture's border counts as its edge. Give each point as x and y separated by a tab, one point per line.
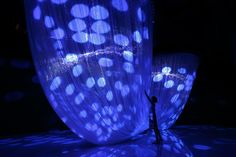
93	58
172	79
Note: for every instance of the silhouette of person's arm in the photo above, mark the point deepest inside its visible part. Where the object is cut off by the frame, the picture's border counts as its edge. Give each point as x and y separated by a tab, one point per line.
148	97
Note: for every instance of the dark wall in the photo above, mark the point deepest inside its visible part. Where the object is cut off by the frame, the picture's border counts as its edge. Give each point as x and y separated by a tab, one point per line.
204	28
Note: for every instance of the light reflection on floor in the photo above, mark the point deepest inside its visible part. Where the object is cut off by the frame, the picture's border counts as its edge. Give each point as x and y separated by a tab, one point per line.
182	141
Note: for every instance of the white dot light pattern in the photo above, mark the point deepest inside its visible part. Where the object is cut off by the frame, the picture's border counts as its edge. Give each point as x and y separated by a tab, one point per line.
172	80
93	64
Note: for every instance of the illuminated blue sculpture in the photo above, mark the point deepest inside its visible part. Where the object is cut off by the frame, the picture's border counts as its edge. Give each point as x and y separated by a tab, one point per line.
93	58
172	80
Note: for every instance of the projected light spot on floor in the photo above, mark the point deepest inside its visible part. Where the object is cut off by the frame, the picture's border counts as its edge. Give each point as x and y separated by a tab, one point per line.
90	82
77	25
37	13
157	78
80	37
128	67
49	22
70	89
128	55
80	10
96	39
137	37
77	70
166	70
58	1
101	82
58	33
169	84
120	5
79	98
109	95
95	106
101	27
121	40
99	12
105	62
58	45
56	82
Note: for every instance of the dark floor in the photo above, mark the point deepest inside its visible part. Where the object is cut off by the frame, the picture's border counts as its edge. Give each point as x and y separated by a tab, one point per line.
181	141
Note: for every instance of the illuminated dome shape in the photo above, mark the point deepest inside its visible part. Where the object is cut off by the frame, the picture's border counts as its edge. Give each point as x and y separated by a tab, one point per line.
172	79
93	59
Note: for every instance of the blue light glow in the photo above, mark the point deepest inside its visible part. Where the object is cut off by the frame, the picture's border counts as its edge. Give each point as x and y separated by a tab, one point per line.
49	22
121	40
80	10
101	27
77	25
170	78
120	5
80	37
99	12
93	65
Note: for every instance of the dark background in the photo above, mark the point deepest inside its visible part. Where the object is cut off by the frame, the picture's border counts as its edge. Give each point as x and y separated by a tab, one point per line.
201	27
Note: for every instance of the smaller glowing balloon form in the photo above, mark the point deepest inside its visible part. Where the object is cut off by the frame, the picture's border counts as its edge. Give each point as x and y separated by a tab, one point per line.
93	59
172	80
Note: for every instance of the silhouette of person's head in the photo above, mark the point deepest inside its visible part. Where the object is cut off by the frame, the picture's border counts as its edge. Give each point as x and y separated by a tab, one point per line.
154	99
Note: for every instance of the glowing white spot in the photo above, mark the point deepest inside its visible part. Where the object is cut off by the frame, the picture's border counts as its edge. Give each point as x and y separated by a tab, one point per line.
70	89
58	45
77	70
101	27
182	70
120	5
118	85
83	114
101	82
105	62
80	37
166	70
169	84
109	96
37	13
180	87
56	82
79	98
121	40
49	22
157	78
77	25
96	39
90	82
71	57
99	132
80	10
125	90
88	126
58	33
137	37
128	67
128	55
99	12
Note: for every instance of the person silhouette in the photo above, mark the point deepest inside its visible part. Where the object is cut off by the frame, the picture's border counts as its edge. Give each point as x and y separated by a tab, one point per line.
153	101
